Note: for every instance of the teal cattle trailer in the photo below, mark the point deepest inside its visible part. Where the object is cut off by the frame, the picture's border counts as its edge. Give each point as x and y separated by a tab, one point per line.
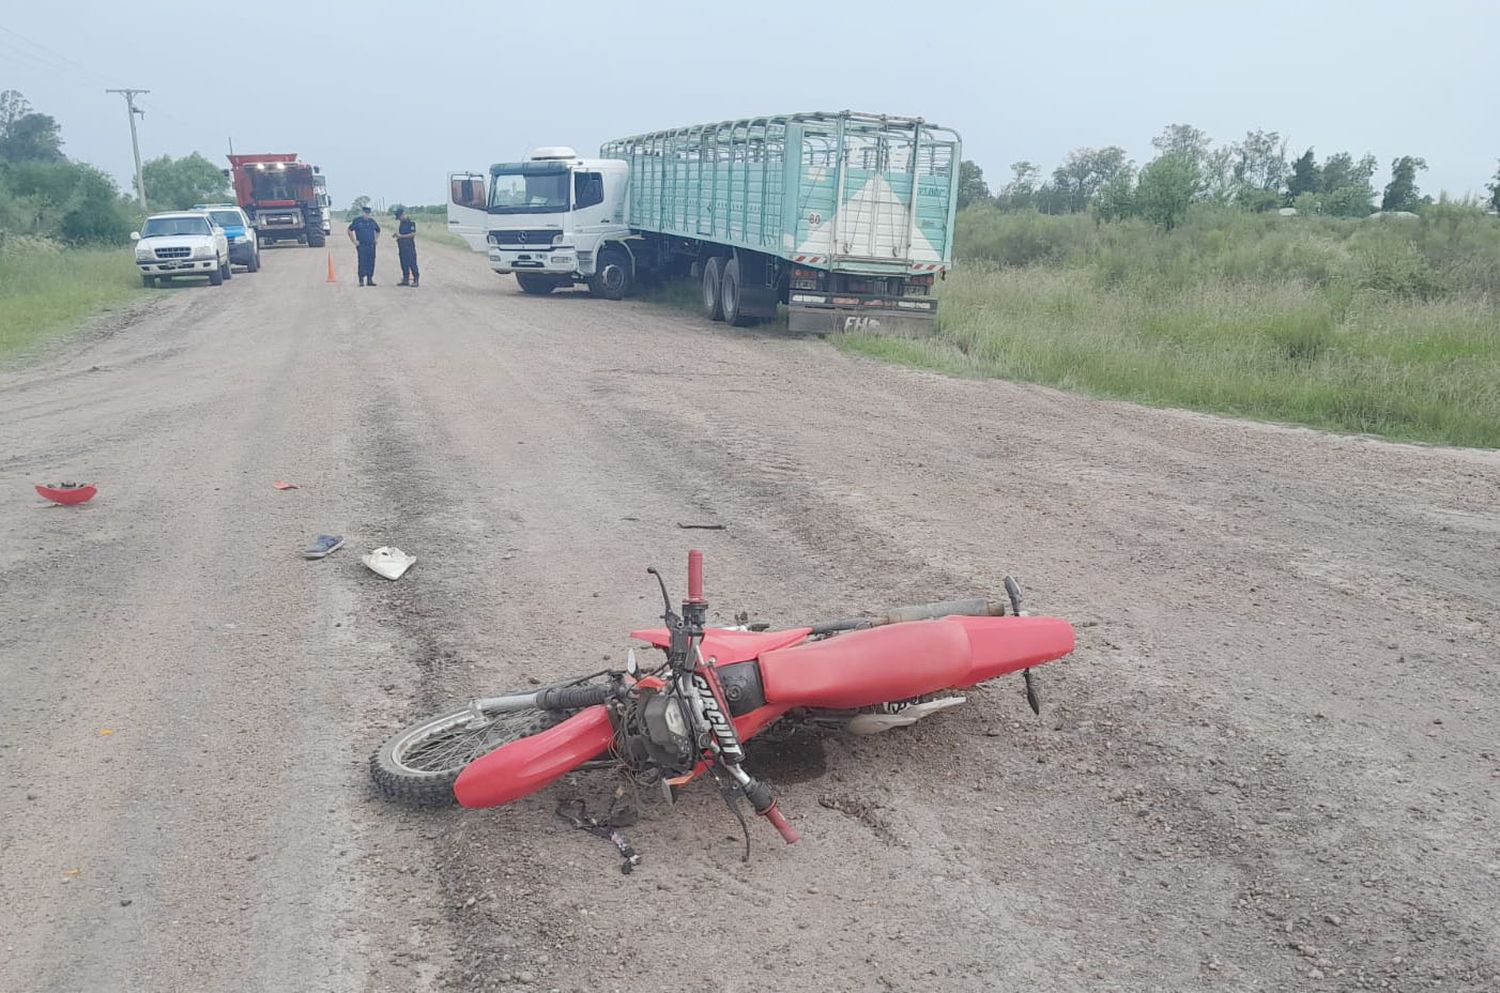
846	218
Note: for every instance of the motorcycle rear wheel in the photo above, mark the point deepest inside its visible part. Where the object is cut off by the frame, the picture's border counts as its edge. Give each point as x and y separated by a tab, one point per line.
420	763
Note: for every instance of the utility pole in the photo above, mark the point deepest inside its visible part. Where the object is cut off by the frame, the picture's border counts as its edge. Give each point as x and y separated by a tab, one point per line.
135	146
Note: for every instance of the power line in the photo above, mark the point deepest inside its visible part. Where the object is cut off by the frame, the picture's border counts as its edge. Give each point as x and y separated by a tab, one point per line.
47	57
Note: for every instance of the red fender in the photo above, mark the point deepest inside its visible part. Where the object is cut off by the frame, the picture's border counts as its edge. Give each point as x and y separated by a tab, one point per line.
520	768
999	645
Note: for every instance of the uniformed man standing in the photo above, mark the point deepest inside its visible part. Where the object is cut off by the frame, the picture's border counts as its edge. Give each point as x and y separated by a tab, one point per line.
406	247
363	231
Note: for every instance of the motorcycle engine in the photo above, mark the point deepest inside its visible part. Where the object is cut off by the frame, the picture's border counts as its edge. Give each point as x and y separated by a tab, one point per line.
656	733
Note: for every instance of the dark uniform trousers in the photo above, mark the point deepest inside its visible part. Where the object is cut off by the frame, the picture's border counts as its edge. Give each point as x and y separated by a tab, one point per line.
408	252
366	260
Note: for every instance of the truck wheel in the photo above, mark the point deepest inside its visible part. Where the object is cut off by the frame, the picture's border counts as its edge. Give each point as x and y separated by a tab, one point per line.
731	298
611	279
216	277
713	289
315	241
538	286
149	282
254	264
228	270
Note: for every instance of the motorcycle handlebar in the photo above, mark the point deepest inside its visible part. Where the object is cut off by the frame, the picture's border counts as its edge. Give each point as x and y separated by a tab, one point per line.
779	822
695	577
574	697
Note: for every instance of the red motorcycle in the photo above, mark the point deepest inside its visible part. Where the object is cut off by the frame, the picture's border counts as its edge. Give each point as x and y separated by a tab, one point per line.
715	688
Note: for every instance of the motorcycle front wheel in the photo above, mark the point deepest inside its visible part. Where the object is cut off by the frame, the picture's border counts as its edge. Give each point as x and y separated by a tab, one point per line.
420	763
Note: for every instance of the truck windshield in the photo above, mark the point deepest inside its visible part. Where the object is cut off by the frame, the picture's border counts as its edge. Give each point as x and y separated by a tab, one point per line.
280	184
157	227
537	193
227	218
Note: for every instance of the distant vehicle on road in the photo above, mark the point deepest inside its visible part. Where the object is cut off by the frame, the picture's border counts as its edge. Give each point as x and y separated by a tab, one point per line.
181	243
280	196
325	204
244	247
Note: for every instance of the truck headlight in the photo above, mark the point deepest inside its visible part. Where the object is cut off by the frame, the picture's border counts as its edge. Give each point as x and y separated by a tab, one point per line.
204	252
143	255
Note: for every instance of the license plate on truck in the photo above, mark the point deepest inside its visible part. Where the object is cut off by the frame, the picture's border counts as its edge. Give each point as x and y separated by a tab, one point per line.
810	318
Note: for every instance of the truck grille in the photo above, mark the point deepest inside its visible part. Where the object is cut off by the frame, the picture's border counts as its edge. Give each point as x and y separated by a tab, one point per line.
541	238
173	253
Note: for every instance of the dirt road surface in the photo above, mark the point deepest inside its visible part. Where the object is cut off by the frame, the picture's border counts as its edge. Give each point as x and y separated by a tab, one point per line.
1272	763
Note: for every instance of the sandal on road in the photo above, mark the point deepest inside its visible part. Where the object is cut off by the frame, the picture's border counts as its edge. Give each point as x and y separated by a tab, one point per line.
391	563
322	545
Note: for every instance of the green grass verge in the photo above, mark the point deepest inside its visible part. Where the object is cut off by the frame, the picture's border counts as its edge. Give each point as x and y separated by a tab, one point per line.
46	291
434	227
1328	356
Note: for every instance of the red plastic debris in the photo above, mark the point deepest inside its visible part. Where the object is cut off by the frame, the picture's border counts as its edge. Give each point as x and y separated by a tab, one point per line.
283	485
67	494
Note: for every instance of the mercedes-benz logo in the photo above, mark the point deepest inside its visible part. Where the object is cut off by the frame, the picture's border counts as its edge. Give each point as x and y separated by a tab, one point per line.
521	237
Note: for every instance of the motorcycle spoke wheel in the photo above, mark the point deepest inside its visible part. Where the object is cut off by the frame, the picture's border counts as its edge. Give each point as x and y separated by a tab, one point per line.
420	763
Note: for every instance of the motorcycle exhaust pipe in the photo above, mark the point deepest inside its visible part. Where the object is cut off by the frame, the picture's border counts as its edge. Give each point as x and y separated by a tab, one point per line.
974	607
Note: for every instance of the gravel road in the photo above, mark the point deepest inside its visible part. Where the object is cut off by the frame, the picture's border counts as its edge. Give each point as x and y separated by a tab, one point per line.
1272	763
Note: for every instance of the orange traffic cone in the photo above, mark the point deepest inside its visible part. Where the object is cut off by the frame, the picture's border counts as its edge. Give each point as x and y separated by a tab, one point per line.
332	278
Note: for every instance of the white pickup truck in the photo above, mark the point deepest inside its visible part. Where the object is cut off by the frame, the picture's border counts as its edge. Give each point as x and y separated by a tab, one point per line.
183	243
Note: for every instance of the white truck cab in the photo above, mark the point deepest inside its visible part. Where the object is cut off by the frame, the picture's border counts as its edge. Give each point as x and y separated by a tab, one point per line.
553	220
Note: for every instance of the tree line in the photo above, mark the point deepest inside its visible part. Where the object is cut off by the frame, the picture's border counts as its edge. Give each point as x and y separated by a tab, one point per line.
1253	174
45	194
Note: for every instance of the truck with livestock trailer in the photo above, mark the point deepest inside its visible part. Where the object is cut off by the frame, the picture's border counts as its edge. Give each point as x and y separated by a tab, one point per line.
281	196
845	218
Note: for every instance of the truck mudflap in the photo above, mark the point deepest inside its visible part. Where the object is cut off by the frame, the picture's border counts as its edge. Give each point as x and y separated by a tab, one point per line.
837	313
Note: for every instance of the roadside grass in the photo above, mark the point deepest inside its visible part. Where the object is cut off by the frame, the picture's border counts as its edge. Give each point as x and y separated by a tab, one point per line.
1375	327
1419	370
46	290
434	227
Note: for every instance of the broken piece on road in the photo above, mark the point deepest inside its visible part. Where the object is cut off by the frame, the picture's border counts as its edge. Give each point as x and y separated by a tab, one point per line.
67	494
282	484
389	562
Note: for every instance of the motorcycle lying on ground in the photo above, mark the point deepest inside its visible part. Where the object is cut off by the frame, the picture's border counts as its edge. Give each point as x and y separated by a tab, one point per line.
716	688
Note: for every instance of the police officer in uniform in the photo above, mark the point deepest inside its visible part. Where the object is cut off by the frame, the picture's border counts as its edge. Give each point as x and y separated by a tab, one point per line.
363	231
406	247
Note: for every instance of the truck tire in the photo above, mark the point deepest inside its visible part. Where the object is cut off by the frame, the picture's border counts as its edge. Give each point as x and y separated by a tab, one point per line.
538	286
228	270
315	240
730	297
149	282
254	264
713	289
216	277
611	279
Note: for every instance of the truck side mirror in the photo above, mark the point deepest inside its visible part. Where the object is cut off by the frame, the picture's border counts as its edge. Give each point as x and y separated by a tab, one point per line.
135	236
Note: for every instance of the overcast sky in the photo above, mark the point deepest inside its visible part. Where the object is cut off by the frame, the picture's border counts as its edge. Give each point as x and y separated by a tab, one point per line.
390	96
